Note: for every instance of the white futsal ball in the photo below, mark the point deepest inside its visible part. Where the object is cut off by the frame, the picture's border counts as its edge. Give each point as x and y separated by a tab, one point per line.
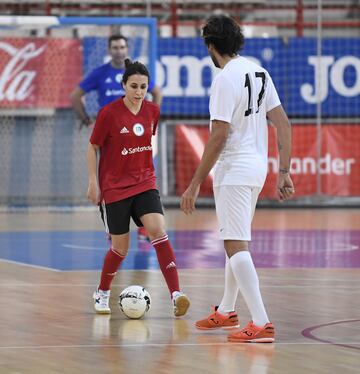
134	301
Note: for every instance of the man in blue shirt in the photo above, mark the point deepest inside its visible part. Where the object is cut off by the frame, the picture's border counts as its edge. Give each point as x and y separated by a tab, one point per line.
106	80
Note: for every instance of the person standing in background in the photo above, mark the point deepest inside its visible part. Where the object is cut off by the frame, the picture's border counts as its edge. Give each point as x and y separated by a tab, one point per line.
106	80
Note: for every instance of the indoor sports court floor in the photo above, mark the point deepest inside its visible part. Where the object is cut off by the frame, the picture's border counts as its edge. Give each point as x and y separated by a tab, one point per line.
309	267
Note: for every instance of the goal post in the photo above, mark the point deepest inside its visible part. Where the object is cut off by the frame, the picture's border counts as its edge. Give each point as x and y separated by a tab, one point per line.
49	22
42	59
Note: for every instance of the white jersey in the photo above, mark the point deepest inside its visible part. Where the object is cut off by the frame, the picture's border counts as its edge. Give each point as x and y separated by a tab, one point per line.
241	94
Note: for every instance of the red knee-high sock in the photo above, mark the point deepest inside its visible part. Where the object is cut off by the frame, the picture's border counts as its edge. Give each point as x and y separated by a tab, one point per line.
112	261
167	262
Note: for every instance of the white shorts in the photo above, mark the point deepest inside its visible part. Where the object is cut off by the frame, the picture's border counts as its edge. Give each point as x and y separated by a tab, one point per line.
235	208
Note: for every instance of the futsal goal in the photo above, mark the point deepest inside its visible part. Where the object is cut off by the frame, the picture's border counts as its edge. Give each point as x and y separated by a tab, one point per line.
42	59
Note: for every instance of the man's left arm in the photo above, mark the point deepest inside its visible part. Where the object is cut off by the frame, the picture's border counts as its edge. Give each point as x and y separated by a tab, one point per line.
157	95
279	119
216	143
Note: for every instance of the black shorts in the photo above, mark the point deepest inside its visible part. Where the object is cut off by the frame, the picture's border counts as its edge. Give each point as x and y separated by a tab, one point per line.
116	216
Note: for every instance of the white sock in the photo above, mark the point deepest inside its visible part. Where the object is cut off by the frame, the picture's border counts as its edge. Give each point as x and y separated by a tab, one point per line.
248	282
231	290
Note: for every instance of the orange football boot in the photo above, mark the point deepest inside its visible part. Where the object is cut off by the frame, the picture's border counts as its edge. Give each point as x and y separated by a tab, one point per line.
254	334
217	320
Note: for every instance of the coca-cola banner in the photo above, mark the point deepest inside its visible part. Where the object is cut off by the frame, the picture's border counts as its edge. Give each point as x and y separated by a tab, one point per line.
38	72
338	165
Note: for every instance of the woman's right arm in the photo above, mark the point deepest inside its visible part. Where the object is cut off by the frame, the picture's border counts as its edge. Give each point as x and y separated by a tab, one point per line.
93	192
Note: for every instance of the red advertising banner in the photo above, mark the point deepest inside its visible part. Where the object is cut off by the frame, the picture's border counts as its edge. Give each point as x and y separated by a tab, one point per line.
38	72
338	166
189	146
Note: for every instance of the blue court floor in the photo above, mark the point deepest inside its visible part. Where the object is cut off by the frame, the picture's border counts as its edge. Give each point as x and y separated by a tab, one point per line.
84	250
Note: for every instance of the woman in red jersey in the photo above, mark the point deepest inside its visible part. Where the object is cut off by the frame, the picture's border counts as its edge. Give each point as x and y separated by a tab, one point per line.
125	183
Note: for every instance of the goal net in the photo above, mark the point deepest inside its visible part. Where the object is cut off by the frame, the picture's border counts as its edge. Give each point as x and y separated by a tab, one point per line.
42	59
317	76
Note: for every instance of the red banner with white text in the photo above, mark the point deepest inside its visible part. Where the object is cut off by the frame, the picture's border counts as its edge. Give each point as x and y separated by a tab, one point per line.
338	166
38	72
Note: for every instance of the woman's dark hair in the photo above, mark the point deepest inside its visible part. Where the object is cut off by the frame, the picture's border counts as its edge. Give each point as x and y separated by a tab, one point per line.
224	34
132	68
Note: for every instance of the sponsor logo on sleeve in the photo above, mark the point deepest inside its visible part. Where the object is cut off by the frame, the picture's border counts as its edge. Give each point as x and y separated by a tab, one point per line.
118	78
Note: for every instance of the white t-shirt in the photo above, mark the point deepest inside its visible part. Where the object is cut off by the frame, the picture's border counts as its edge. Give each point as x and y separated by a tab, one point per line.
241	94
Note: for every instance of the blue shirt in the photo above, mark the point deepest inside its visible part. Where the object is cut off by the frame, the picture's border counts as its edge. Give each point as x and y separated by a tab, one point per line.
106	80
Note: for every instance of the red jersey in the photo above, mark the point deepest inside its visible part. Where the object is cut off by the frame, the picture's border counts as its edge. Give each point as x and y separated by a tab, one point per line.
126	165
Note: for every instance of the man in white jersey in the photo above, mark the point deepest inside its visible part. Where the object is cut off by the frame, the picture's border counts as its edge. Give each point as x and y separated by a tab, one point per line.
242	97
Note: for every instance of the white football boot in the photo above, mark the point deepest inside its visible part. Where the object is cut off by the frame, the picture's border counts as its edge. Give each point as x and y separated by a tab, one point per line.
101	302
181	303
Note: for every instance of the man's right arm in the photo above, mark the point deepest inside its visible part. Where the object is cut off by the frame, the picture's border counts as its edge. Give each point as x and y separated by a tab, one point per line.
93	192
79	107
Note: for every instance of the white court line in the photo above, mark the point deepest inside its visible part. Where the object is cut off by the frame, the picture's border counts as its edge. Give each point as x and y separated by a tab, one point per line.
73	246
262	278
165	345
312	279
350	247
104	248
29	265
157	271
4	285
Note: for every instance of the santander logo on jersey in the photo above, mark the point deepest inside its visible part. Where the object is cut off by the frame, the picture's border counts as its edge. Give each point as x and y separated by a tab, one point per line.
130	151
